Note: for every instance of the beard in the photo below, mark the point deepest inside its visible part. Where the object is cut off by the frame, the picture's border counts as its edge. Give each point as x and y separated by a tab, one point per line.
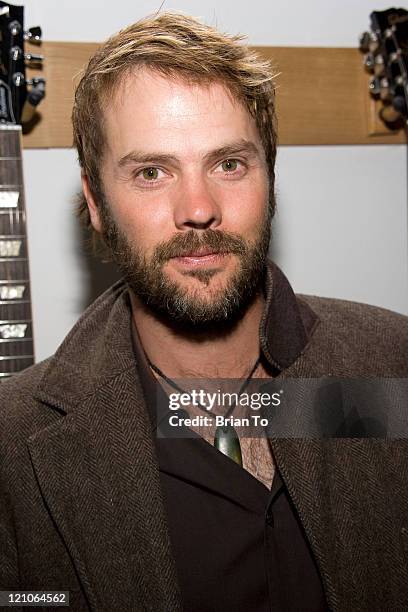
187	307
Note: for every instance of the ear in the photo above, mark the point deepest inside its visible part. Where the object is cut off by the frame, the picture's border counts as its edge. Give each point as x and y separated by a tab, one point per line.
92	205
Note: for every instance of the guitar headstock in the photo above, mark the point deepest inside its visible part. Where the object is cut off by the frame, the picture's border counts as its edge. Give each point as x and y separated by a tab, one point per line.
386	57
17	93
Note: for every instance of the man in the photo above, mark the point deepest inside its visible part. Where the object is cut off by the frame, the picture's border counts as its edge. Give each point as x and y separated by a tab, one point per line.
174	126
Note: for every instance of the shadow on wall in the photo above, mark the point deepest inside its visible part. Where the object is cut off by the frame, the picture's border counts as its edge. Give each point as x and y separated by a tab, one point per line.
275	245
101	274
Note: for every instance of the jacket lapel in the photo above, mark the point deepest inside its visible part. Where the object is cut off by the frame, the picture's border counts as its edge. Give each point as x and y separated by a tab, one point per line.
333	484
303	467
98	473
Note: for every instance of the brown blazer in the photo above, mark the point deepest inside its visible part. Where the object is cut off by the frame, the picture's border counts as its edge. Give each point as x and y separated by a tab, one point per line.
80	499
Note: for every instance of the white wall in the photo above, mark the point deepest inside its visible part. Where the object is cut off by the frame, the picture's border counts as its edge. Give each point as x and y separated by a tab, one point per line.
329	23
342	226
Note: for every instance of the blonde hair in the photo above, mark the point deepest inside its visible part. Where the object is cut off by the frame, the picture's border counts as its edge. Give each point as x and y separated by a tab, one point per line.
175	46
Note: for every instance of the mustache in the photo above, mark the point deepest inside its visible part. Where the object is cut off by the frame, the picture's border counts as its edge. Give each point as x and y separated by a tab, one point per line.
181	245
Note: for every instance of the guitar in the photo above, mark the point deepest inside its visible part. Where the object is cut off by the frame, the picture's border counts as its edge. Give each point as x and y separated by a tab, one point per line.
18	96
386	56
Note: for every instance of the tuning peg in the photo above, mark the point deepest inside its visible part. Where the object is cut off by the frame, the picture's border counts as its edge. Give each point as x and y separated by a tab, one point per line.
33	58
395	56
400	105
374	44
16	53
378	65
33	35
385	89
36	81
18	79
389	114
364	41
368	42
34	97
369	62
14	27
375	86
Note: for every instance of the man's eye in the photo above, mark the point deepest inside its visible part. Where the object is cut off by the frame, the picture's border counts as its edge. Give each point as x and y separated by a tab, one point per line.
150	174
230	165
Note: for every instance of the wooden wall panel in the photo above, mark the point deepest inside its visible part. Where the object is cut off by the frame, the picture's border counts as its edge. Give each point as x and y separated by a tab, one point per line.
322	96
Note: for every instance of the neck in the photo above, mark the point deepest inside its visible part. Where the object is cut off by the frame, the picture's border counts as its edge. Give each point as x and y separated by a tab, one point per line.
181	355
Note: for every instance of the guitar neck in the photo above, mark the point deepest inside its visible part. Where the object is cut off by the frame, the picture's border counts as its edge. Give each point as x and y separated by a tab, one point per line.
16	329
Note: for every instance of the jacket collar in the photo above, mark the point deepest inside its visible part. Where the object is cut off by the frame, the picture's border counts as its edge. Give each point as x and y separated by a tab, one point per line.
287	324
95	352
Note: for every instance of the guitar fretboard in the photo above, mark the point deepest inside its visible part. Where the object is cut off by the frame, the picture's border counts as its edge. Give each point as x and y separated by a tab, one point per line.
16	329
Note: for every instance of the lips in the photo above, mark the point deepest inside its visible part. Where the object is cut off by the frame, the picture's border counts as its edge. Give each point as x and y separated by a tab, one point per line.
204	256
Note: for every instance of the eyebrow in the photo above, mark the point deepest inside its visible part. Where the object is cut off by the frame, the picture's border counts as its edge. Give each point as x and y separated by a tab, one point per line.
239	147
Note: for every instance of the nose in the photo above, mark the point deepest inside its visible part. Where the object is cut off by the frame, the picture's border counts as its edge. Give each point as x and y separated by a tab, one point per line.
196	206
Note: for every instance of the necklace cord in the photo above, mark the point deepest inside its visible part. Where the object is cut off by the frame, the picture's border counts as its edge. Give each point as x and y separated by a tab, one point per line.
175	386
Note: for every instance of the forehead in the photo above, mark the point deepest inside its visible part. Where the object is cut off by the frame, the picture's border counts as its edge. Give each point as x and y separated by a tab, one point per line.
148	109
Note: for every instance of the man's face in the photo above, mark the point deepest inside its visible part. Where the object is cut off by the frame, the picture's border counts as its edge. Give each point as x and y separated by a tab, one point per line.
186	197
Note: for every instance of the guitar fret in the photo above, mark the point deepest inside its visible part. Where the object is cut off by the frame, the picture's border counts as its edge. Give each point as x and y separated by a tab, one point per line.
12	236
13	259
13	302
4	321
16	357
5	340
11	127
